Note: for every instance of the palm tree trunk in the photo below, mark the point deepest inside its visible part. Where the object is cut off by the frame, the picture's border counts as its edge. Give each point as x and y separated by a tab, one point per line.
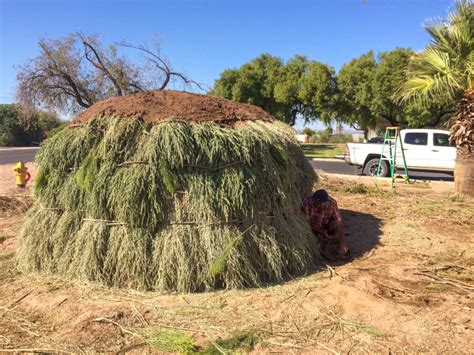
464	171
462	133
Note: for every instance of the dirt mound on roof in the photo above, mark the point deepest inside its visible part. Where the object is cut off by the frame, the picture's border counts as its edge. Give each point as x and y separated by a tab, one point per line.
159	105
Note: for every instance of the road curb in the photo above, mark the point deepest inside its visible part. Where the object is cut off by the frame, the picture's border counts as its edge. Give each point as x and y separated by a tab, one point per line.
387	179
6	149
326	159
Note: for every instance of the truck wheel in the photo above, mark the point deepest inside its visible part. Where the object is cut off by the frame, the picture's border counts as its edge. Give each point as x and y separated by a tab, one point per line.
372	165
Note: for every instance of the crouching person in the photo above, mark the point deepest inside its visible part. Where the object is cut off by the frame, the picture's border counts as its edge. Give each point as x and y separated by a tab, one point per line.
323	215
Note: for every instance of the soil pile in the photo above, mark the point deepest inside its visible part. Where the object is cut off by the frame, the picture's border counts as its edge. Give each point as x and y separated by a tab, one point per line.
159	105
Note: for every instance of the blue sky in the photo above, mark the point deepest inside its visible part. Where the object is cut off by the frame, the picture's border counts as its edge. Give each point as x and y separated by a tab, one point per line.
204	37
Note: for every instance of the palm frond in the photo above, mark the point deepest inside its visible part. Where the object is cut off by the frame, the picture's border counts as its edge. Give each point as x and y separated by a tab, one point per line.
444	68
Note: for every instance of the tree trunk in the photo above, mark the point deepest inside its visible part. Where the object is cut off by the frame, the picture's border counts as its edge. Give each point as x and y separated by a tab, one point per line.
464	171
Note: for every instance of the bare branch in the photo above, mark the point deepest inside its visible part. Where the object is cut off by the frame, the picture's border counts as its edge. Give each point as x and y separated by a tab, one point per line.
74	72
76	88
88	47
161	64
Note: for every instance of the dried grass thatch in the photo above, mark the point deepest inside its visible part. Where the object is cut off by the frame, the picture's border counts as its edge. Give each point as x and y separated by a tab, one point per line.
172	205
15	203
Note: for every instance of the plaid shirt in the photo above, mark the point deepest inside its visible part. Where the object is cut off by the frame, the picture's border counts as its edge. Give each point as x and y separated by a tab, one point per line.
316	219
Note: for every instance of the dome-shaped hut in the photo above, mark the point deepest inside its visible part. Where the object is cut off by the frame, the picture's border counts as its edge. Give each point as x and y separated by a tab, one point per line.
167	190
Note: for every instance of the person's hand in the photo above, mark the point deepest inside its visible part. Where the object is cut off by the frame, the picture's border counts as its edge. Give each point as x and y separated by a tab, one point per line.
343	249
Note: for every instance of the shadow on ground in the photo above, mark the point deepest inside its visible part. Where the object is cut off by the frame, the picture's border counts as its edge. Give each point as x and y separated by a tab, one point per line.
362	232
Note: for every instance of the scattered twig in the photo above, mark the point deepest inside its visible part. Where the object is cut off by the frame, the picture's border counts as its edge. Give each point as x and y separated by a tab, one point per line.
323	346
140	316
288	298
460	285
447	267
286	345
332	272
366	267
28	331
216	346
305	337
131	347
371	253
106	320
60	303
20	299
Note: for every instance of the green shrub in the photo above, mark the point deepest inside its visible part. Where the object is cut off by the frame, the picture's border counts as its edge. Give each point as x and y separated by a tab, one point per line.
23	128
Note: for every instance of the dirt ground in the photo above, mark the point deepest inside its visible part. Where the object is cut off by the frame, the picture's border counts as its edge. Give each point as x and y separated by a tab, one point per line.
407	288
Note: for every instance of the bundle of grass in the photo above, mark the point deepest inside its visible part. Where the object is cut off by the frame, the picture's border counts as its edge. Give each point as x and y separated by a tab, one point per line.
170	191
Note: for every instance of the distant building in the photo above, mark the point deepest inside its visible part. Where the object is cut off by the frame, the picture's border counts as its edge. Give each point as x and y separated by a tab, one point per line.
302	138
357	136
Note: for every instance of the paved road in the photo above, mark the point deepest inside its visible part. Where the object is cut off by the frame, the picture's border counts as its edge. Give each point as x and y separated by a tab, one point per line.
340	167
13	155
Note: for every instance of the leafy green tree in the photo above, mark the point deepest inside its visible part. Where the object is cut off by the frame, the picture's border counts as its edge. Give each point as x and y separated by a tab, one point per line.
366	86
19	127
286	90
389	74
253	83
355	92
11	132
444	71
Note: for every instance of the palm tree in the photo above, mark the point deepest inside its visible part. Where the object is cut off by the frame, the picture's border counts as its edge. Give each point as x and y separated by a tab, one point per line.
444	69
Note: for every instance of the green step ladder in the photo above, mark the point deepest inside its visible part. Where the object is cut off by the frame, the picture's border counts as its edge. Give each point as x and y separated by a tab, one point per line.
390	140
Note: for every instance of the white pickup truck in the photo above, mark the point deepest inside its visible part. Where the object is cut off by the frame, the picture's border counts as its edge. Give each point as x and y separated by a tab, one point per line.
425	149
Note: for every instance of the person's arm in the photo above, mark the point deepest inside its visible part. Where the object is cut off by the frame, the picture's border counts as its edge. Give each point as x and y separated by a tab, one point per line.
343	248
321	231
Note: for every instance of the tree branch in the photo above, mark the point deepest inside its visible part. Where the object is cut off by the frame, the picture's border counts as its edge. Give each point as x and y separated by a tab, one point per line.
440	116
74	86
161	64
390	119
100	64
353	125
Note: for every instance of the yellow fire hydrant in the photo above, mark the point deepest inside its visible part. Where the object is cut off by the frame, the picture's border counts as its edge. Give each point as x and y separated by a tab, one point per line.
21	174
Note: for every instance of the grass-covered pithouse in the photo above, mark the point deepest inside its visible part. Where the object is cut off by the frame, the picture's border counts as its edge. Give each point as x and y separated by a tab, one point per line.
166	190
